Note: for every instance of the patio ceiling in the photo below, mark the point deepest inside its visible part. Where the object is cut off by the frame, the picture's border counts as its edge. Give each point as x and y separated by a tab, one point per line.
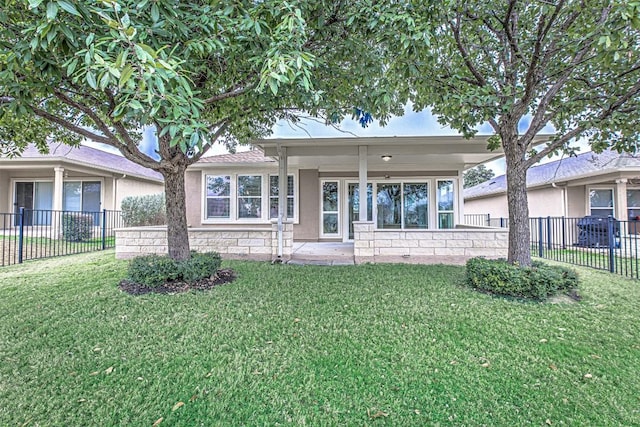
407	153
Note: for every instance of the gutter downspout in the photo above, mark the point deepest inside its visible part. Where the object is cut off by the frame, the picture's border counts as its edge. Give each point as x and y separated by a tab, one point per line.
282	197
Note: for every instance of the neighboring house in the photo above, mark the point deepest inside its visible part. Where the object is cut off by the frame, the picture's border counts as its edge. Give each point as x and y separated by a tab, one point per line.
71	179
413	208
588	184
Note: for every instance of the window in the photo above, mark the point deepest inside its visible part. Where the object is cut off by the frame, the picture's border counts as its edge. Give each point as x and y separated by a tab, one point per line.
601	202
273	196
416	205
330	220
81	196
633	204
445	204
249	196
403	205
218	196
389	204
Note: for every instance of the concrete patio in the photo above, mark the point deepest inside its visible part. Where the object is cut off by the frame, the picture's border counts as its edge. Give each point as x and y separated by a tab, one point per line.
322	253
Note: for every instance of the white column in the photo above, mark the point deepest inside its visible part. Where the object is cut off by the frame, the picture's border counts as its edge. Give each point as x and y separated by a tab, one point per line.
282	196
362	182
459	191
57	188
620	212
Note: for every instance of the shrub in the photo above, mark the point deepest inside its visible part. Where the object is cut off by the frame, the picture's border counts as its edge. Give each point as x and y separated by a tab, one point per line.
77	227
144	210
155	270
537	282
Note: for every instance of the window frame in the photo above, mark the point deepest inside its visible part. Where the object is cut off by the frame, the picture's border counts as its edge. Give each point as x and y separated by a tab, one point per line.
293	196
337	212
438	211
596	188
207	197
234	217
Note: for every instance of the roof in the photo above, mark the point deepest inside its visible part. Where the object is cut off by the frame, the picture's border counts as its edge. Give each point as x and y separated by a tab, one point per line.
569	168
255	155
89	157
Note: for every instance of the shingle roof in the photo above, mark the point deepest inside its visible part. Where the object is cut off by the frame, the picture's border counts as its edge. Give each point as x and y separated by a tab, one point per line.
255	155
91	157
583	165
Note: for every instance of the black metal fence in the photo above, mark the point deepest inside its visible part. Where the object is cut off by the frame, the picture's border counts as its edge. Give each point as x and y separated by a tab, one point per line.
598	242
485	220
34	234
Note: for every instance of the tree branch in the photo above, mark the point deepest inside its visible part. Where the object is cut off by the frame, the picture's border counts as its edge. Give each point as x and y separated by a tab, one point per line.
70	126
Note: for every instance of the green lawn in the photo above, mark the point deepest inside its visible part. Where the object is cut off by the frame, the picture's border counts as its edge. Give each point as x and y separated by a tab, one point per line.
309	345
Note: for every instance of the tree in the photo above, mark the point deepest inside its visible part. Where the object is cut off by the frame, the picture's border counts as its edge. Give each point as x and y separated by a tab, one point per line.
520	65
477	175
198	71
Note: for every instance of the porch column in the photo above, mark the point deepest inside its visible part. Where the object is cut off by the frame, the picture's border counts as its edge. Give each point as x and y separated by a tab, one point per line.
362	182
282	196
621	200
459	192
57	188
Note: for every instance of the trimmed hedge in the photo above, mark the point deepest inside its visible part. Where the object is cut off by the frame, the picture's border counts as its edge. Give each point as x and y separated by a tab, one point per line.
155	270
144	210
536	282
77	227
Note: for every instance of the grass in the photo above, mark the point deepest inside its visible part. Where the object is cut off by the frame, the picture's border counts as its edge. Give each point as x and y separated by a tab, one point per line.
311	345
44	247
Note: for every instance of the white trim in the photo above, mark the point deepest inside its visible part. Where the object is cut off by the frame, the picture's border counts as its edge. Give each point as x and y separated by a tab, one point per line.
340	210
588	190
233	197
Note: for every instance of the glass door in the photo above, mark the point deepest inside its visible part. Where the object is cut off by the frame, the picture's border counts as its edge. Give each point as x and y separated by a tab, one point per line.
353	203
24	199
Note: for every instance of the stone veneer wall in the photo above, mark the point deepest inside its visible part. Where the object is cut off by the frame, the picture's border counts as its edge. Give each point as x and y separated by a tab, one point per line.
255	244
427	246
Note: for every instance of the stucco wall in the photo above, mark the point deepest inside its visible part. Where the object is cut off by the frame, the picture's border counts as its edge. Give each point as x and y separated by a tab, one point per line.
576	201
496	206
193	188
134	187
546	202
308	227
6	204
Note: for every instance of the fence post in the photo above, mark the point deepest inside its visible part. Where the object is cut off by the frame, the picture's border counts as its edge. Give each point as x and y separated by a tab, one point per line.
549	237
564	233
20	234
540	242
501	222
104	229
488	220
612	242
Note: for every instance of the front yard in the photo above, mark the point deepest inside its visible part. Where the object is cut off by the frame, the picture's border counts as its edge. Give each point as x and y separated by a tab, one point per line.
354	345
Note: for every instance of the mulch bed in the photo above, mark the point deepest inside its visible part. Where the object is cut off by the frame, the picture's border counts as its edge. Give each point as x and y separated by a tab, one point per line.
221	277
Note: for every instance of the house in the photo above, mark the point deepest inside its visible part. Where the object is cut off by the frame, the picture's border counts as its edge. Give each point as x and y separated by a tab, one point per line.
588	184
413	211
71	179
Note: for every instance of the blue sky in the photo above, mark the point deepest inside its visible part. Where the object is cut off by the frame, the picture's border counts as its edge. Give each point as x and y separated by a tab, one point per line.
412	123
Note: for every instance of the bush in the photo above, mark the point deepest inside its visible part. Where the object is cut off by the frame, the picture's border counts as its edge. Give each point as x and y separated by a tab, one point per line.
144	210
537	282
155	270
77	227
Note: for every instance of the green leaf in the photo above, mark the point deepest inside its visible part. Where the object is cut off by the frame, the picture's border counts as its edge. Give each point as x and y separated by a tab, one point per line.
91	80
52	10
72	66
125	75
135	104
68	7
155	12
273	85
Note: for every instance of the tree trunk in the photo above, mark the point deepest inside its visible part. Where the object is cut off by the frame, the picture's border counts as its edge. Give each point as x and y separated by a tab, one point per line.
175	199
519	234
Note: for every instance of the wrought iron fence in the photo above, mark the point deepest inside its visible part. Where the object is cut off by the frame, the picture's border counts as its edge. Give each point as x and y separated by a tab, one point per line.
603	243
34	234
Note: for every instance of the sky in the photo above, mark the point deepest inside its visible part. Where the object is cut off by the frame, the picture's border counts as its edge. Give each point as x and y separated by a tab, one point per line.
412	123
